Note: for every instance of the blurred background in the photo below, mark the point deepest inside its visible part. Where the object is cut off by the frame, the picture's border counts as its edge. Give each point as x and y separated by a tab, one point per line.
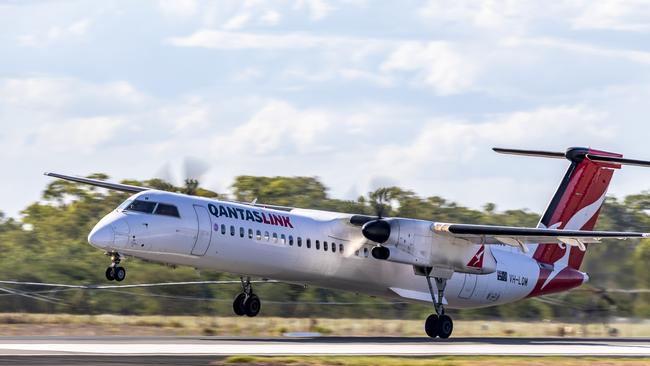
321	104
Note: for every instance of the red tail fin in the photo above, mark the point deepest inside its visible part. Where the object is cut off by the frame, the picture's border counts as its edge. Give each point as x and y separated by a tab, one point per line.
577	202
575	206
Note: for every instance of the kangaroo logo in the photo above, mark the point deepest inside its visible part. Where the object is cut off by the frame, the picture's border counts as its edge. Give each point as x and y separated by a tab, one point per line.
477	259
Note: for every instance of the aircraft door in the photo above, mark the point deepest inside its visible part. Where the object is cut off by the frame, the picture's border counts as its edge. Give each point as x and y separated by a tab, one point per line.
204	231
469	285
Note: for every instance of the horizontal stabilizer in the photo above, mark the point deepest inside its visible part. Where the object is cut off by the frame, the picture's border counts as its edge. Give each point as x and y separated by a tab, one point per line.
575	153
539	153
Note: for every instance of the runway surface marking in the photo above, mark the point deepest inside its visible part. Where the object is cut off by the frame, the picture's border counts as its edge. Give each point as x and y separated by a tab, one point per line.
220	346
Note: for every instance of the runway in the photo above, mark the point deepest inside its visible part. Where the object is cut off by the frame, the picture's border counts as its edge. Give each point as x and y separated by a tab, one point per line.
225	346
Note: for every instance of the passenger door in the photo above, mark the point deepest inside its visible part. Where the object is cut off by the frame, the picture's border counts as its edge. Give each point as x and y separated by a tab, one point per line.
204	231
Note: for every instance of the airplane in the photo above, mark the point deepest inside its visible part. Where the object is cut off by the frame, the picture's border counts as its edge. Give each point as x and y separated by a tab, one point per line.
449	265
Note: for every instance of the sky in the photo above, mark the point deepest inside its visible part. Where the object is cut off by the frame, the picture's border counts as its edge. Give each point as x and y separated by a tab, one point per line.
361	94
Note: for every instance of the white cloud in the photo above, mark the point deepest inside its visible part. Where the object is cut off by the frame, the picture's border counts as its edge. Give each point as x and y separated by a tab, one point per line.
510	15
189	117
622	15
520	16
436	64
448	140
277	126
629	55
318	9
270	17
49	92
182	9
80	135
74	32
216	39
237	22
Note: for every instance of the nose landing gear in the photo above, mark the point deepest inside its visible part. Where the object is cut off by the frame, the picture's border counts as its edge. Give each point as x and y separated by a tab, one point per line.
438	324
247	303
114	272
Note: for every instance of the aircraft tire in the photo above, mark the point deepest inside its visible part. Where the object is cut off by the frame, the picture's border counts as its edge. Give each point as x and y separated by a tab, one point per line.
431	325
238	304
120	274
252	306
110	273
445	327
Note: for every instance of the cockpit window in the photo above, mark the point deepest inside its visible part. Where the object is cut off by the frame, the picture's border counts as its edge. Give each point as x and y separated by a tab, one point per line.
141	206
124	205
167	210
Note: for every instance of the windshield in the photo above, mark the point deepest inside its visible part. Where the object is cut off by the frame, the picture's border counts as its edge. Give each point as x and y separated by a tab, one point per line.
141	206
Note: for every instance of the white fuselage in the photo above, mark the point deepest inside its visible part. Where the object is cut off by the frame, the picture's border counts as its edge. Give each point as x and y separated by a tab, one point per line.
273	244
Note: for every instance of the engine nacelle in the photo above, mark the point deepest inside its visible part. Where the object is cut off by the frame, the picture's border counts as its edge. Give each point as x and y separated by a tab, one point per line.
413	242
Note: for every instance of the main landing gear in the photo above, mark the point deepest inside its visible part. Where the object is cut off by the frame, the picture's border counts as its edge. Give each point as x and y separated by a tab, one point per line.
114	272
438	324
247	303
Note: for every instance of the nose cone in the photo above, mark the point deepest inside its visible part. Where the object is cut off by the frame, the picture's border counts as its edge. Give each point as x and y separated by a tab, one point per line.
102	236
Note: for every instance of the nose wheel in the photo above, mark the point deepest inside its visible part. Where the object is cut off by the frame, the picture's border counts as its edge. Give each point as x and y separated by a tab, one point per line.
114	272
247	303
438	324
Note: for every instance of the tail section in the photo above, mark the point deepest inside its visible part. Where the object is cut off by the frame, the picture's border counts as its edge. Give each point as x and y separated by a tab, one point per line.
575	206
577	202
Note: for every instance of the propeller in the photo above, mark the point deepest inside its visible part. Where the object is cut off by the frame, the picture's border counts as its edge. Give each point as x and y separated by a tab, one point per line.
191	171
373	228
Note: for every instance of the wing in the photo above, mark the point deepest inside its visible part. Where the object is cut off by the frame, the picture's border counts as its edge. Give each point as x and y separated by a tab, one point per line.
520	236
100	183
135	189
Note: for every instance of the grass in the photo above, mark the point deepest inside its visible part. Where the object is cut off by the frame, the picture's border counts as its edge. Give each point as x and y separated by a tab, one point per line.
65	324
434	361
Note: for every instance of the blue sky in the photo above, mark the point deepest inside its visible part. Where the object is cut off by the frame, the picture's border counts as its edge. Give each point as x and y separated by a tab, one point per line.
358	93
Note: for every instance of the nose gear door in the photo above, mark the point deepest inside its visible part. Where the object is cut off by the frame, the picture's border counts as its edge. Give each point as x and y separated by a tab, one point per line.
204	231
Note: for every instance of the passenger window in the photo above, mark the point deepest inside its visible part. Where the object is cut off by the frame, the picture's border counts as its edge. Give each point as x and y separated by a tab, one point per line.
166	210
341	248
333	247
232	230
299	241
266	235
283	239
317	244
258	234
141	206
325	246
365	252
223	229
308	243
290	240
241	232
275	237
250	233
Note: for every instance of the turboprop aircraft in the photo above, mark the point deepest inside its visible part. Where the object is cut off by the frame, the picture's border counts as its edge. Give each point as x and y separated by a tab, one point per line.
450	265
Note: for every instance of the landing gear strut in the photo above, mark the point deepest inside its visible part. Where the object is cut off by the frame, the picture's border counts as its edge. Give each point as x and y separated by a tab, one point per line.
247	303
114	272
438	324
